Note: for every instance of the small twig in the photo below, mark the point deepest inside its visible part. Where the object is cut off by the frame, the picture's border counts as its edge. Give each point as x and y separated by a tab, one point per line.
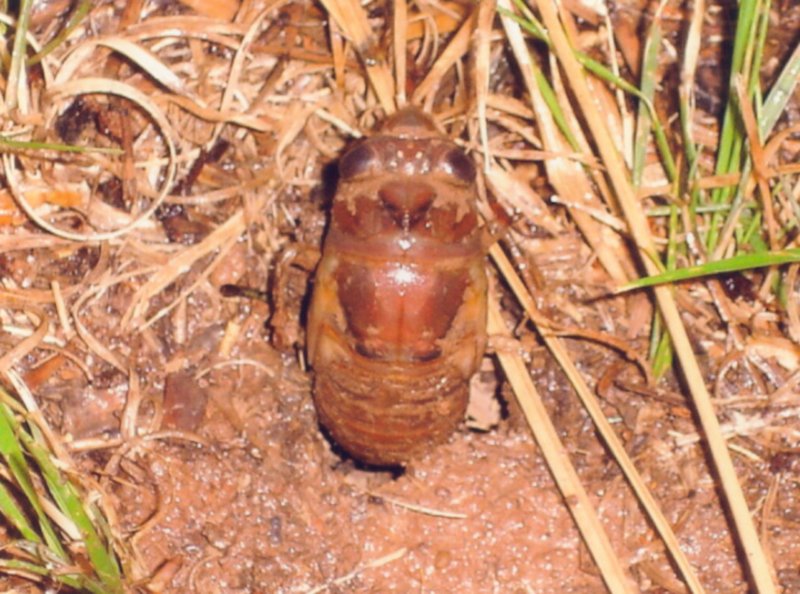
379	562
429	511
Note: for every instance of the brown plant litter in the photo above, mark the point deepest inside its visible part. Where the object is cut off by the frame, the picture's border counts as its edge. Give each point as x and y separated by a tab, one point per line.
210	133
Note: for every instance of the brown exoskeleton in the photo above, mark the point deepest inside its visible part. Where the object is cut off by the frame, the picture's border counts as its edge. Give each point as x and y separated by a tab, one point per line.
397	321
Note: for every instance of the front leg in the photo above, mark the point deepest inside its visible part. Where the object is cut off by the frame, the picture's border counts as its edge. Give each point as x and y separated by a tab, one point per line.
289	292
288	281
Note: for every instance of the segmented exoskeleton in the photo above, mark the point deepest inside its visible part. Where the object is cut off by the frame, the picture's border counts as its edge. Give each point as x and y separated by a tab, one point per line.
397	322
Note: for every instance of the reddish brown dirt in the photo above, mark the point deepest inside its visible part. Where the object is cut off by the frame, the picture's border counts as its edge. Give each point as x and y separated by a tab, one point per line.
254	499
264	505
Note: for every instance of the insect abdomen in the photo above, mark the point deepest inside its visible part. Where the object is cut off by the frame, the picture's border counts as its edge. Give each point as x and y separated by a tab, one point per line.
388	417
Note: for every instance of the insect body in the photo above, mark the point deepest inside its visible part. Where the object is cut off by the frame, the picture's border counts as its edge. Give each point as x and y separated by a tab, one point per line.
397	320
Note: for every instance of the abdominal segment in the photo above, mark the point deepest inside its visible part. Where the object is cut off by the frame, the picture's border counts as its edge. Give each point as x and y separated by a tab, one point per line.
388	415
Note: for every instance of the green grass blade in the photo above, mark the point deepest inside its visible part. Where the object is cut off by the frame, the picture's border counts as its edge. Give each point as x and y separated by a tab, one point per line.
732	137
662	359
16	445
530	23
549	96
604	73
774	105
660	343
666	211
734	264
11	511
661	354
780	94
18	54
8	144
757	59
12	452
647	88
78	14
75	581
68	501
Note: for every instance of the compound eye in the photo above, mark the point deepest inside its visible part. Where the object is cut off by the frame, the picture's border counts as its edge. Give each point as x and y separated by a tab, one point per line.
358	160
455	163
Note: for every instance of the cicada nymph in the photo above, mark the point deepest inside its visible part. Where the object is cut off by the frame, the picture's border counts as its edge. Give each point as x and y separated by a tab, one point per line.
397	324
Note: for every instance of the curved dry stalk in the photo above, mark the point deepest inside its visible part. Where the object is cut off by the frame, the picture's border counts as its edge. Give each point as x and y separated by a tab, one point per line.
112	87
420	509
269	372
379	562
147	61
223	250
94	345
237	67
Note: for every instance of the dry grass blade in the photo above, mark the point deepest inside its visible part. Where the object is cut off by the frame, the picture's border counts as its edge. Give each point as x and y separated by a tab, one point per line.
232	85
522	199
760	165
337	54
25	346
132	51
458	46
179	264
400	41
691	53
290	127
61	309
483	31
34	415
260	123
559	351
421	509
222	252
746	533
568	176
94	345
614	575
352	20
